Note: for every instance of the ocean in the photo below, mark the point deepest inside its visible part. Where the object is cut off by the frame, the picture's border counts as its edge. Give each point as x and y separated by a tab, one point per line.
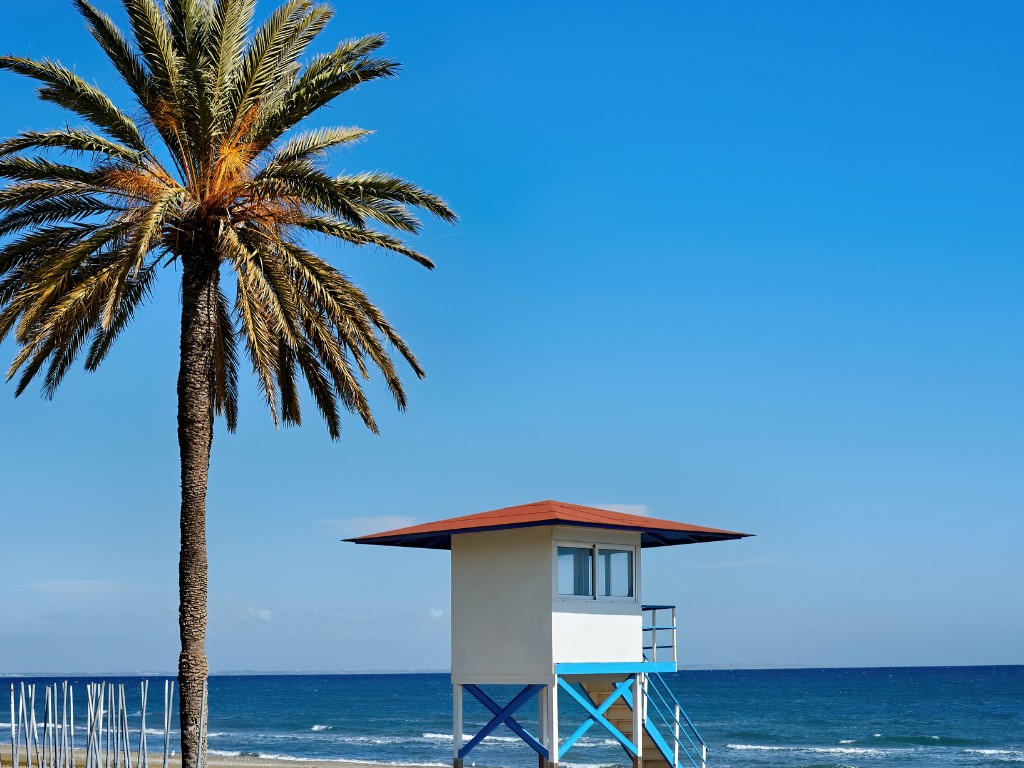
929	717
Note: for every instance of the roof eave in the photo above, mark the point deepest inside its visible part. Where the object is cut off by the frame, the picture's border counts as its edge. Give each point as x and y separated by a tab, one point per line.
653	537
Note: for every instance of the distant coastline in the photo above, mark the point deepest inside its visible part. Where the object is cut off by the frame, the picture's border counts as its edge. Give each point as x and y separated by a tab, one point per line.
320	672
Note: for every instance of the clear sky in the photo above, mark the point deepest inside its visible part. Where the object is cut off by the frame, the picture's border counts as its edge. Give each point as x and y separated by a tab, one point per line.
751	265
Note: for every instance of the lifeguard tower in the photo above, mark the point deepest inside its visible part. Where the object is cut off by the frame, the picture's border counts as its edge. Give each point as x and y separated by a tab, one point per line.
547	596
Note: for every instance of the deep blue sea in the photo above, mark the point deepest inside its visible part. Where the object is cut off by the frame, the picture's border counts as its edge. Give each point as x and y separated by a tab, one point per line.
808	718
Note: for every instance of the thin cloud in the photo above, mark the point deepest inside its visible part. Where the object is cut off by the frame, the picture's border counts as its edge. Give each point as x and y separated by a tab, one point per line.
253	614
437	613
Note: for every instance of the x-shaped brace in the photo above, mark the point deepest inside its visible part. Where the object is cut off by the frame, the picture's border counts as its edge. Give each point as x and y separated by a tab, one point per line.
622	690
504	715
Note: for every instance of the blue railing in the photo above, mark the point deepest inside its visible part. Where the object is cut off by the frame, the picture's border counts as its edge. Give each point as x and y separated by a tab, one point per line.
684	739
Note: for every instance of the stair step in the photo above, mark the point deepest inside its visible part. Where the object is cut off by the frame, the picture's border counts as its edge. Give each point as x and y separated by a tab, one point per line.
620	715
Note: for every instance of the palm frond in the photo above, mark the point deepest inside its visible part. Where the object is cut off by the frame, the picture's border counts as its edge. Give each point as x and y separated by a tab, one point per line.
313	145
225	361
327	77
63	87
360	236
69	140
258	66
156	44
54	210
118	50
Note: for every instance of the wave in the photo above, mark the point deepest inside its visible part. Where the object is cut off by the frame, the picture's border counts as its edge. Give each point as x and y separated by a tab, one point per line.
862	751
583	743
1007	755
321	727
467	736
929	741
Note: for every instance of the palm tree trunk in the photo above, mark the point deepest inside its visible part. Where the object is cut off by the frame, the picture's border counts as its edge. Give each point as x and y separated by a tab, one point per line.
196	388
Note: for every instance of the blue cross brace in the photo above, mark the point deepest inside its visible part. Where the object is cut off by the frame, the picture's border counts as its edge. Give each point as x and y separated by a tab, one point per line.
504	715
597	714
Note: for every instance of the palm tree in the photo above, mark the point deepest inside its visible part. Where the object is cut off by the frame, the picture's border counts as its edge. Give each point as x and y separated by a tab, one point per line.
206	172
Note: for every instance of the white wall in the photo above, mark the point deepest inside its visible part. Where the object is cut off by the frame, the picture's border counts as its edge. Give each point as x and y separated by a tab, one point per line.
596	630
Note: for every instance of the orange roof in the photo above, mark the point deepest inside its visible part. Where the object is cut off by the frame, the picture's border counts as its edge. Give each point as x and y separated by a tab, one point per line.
654	532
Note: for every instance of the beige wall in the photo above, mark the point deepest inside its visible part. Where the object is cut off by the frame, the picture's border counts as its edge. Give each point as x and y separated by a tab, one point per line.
501	603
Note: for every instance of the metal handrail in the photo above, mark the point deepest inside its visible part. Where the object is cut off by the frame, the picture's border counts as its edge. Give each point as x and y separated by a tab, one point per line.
653	626
676	717
677	707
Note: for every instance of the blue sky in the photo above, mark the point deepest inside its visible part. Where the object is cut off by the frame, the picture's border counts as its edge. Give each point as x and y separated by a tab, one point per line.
750	265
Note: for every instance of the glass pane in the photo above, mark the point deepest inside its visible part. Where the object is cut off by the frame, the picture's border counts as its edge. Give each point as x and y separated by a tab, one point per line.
575	571
615	572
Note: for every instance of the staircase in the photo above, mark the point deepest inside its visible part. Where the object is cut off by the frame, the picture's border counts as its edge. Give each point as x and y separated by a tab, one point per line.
669	738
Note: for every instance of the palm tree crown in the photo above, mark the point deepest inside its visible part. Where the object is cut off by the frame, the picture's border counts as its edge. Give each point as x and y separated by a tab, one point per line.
205	166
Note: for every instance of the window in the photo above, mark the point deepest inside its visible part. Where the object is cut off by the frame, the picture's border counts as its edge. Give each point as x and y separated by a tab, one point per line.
576	571
595	571
615	572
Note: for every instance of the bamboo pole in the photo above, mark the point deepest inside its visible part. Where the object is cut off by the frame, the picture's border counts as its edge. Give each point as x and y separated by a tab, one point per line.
124	718
110	723
88	725
143	760
14	735
71	692
23	723
34	726
46	727
168	706
64	725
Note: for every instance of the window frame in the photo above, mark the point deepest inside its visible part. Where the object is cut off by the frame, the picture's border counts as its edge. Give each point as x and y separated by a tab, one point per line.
595	547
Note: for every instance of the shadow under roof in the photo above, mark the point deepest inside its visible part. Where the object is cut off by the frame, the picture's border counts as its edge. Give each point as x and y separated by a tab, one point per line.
653	532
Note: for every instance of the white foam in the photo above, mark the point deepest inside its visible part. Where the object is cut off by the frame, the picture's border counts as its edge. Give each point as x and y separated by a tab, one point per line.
468	736
864	751
847	741
321	727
